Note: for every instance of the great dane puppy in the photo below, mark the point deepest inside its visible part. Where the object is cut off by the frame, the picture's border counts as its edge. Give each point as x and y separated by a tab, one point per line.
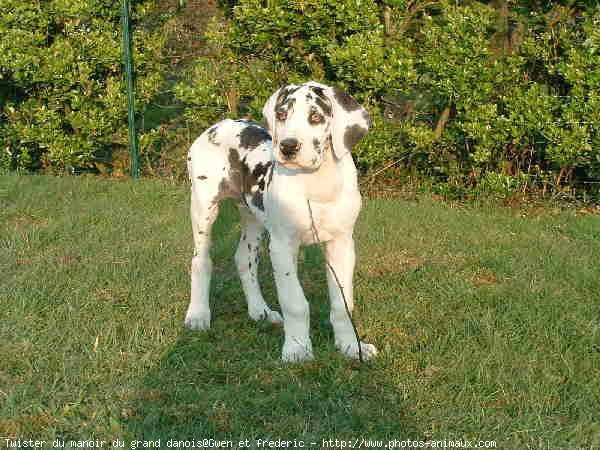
298	184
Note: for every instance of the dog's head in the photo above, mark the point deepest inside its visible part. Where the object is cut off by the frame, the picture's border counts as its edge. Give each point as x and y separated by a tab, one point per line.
306	120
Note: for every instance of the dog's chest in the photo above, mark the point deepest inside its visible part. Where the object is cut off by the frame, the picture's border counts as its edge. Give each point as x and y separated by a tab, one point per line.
329	220
317	209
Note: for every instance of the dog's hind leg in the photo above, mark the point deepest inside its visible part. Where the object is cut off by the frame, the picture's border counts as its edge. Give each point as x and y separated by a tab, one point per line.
204	210
246	258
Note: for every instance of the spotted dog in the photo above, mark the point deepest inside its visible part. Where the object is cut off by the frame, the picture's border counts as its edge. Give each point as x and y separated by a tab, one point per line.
305	158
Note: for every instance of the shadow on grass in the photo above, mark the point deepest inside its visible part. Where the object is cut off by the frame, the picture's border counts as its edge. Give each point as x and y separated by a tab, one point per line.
229	382
204	388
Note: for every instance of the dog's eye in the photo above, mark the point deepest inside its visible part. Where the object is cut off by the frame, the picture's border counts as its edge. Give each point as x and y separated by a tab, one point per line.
281	115
316	118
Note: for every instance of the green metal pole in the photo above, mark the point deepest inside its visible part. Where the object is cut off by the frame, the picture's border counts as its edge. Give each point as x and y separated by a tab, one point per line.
127	62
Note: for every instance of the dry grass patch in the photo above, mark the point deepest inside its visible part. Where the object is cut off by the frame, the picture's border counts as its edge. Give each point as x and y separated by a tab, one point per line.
24	221
484	277
68	258
384	262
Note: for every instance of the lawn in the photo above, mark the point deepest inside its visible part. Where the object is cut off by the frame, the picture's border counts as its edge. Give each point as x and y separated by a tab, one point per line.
487	320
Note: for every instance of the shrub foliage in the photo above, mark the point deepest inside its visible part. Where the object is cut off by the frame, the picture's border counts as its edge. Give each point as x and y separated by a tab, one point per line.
468	92
62	97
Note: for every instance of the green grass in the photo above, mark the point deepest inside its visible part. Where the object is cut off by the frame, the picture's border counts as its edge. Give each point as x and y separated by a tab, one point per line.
487	323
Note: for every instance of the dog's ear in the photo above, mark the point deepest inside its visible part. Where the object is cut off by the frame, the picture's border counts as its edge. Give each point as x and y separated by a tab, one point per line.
349	124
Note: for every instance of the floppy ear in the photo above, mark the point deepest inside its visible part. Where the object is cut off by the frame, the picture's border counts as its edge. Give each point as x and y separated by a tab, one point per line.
349	123
269	110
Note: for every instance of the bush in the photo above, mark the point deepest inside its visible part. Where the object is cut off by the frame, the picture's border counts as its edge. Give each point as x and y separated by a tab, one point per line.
457	90
63	104
462	92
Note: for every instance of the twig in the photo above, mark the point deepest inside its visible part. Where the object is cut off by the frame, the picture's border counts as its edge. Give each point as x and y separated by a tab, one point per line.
393	163
441	123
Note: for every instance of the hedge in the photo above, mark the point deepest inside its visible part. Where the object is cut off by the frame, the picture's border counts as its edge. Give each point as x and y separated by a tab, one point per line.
498	94
61	90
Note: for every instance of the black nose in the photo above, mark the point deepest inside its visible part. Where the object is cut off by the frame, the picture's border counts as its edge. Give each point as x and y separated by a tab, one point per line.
289	147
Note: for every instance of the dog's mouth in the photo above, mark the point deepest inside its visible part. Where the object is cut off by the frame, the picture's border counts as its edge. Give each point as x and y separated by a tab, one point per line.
294	158
291	164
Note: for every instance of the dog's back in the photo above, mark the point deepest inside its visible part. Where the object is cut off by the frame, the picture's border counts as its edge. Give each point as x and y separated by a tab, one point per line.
241	162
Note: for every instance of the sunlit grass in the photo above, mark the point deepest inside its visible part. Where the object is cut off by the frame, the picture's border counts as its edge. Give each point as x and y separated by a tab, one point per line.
487	322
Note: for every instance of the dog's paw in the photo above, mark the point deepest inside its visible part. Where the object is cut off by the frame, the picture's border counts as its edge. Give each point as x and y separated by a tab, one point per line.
351	350
296	352
267	314
197	322
274	317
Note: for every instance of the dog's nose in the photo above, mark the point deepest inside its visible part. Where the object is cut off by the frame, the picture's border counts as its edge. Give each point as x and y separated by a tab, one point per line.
289	147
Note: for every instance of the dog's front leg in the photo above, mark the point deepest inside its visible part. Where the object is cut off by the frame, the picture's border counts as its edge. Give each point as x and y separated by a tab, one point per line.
340	256
296	321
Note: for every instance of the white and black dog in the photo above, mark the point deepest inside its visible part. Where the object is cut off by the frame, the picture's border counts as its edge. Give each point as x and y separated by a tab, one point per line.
306	158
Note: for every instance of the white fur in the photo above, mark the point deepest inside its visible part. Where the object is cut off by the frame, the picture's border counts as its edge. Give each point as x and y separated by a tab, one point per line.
327	178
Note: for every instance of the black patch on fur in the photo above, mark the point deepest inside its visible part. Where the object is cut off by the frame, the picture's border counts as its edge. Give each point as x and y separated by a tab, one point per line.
322	101
284	94
244	181
259	174
250	179
286	105
236	173
367	117
257	200
252	136
353	134
319	91
212	134
201	177
344	100
260	170
325	105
